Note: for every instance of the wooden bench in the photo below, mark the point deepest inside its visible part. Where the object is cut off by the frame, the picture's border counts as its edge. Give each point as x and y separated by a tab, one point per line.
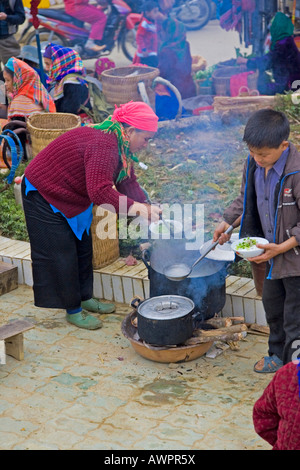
8	277
12	336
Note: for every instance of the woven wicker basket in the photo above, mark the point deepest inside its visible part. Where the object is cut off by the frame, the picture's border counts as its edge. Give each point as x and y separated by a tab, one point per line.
120	84
105	251
221	79
44	128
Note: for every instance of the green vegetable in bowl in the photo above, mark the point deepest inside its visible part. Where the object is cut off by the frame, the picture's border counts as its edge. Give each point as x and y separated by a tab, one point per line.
246	244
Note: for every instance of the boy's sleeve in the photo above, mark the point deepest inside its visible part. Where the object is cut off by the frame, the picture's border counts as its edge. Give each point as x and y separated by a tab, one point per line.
236	207
295	231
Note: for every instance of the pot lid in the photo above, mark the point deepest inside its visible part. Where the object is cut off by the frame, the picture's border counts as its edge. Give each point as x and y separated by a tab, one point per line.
221	252
166	307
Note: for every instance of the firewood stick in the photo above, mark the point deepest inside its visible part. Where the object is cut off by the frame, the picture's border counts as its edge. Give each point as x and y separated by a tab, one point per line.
260	328
219	322
236	320
220	331
225	337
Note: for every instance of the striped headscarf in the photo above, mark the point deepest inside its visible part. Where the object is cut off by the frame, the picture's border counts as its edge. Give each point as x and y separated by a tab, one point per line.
115	127
65	61
26	81
136	114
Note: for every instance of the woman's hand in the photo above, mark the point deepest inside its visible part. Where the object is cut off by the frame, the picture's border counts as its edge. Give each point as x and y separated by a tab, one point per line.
150	212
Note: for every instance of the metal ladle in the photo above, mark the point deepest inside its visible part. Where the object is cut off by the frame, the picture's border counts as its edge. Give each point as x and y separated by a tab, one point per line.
180	271
168	226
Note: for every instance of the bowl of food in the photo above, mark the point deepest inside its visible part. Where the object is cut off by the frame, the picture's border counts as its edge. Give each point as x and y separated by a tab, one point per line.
246	247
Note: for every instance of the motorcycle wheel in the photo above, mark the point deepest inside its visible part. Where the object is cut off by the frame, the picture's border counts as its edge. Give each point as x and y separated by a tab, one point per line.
128	43
194	14
46	36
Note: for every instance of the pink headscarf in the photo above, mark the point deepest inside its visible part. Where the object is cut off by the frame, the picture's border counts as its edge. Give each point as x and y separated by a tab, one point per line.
137	114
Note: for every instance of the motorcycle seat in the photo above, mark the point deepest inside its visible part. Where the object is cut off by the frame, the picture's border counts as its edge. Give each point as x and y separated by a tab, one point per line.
60	15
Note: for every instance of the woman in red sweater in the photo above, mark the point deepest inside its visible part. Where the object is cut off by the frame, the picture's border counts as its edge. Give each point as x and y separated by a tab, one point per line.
276	415
84	166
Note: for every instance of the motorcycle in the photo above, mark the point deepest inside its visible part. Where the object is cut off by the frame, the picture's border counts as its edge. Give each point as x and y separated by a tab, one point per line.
60	28
194	14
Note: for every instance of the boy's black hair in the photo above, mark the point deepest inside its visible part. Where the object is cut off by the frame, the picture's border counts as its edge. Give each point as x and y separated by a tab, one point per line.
149	5
266	128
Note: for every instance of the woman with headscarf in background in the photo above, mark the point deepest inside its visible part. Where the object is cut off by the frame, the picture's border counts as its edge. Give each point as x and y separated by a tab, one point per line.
26	96
25	91
283	60
66	79
174	56
84	166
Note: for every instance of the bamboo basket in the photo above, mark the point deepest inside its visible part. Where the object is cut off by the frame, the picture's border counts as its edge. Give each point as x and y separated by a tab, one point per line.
221	78
45	127
105	250
120	84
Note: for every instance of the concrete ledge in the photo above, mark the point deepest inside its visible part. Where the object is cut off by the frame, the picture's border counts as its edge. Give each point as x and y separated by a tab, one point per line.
120	283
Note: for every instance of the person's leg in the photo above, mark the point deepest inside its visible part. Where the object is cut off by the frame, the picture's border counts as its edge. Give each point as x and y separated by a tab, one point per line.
151	60
291	319
273	299
96	18
56	280
85	266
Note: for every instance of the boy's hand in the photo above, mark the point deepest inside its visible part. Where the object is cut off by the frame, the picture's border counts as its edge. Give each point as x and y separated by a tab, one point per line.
219	233
274	249
271	250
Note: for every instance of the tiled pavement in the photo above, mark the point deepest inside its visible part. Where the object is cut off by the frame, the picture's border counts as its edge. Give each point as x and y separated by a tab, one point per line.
78	389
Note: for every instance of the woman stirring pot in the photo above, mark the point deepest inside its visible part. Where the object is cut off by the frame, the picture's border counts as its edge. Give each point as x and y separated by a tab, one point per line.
61	184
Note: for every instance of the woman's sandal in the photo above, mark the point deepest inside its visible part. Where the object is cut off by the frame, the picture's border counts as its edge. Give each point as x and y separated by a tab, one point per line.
271	364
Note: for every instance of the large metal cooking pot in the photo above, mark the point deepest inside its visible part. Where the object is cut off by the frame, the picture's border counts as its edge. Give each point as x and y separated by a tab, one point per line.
165	320
205	286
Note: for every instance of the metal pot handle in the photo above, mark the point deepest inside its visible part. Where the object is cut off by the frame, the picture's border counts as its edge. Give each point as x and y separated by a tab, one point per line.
135	302
146	258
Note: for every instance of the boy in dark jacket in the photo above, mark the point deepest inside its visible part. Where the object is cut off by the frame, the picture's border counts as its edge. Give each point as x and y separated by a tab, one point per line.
270	206
12	15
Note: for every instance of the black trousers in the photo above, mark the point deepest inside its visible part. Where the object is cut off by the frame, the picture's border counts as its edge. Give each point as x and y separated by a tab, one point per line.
62	266
281	301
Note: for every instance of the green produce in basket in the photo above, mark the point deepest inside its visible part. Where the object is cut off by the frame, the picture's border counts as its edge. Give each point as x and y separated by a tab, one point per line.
204	74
